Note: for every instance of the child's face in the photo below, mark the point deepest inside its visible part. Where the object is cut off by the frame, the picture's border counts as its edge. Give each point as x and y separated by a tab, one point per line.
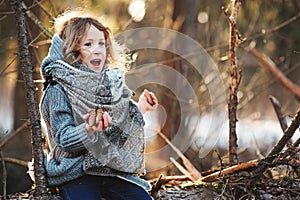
92	51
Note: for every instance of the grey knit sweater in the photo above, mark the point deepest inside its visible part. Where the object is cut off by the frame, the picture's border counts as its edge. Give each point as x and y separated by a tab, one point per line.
61	127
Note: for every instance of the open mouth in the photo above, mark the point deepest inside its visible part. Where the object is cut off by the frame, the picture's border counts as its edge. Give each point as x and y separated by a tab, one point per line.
96	62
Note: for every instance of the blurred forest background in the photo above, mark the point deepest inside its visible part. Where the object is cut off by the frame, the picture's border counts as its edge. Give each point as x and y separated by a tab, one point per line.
273	25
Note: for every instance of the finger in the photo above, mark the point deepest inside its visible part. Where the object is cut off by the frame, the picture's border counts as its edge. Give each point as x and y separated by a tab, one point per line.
100	126
106	120
86	117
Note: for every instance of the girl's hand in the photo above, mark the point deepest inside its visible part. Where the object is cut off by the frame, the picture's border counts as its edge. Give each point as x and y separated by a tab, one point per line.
103	123
147	101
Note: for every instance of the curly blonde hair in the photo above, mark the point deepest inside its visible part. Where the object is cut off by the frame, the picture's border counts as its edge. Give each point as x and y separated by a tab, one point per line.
72	26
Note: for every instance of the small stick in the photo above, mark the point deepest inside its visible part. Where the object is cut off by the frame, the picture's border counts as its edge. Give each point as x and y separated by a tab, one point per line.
157	185
95	116
148	96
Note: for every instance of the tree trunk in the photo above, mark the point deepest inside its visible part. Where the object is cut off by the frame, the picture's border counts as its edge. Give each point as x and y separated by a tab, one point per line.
27	72
233	89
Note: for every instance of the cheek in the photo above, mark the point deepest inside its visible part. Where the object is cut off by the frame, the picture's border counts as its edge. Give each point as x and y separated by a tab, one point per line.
84	55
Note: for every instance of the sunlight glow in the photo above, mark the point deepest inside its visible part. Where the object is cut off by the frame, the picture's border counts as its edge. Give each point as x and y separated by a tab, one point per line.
202	17
137	10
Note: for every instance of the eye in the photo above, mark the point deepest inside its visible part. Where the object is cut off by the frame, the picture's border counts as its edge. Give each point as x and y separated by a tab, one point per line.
87	44
101	43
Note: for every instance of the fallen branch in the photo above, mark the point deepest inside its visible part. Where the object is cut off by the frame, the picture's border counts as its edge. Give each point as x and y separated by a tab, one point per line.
288	134
183	170
267	62
229	170
188	165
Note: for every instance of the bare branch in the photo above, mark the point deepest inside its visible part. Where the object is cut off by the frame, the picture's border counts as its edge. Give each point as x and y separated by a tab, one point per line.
288	134
10	136
267	62
15	161
36	20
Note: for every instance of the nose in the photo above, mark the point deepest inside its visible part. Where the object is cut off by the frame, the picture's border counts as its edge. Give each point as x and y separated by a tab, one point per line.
97	49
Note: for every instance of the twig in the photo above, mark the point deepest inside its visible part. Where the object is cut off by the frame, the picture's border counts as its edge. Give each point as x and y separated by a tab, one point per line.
176	178
275	28
10	136
15	161
36	20
189	166
284	161
4	175
280	116
291	150
45	11
157	185
267	62
8	65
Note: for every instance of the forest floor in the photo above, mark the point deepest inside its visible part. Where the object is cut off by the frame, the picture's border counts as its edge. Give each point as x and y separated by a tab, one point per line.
235	186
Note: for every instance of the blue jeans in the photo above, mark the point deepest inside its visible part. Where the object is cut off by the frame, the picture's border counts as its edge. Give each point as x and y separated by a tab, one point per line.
97	187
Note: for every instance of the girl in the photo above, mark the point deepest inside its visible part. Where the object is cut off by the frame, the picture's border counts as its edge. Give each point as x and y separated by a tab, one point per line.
94	129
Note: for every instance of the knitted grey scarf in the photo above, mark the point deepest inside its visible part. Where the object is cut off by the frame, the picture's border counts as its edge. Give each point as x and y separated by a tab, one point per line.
121	145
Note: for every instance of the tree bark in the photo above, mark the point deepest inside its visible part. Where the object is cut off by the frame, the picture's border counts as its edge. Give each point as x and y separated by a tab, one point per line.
233	89
27	72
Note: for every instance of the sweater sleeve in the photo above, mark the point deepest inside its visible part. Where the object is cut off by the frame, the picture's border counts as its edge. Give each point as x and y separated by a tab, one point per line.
57	114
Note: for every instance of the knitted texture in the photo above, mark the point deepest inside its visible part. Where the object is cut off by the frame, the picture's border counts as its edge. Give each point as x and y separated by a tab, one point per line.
119	148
